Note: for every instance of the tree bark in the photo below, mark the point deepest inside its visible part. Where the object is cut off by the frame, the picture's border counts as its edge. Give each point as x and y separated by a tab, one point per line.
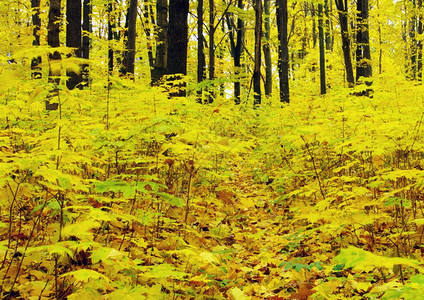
236	48
131	47
257	69
342	11
267	50
321	49
363	54
36	23
201	61
110	33
87	29
160	65
283	50
177	43
73	38
211	68
53	29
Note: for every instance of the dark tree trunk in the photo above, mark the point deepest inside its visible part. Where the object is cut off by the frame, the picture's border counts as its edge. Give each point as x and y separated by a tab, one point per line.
257	69
36	23
160	65
73	38
267	50
201	61
321	49
420	43
363	54
343	10
53	29
110	33
131	47
314	26
177	42
87	29
283	50
147	20
211	49
328	36
236	48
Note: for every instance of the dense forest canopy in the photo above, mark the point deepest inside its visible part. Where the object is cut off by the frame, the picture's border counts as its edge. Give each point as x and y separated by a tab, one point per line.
211	149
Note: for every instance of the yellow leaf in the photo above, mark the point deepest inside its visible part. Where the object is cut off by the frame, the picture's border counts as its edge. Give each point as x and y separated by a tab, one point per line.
237	294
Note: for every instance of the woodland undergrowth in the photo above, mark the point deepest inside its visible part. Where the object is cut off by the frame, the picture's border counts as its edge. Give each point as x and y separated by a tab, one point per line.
126	194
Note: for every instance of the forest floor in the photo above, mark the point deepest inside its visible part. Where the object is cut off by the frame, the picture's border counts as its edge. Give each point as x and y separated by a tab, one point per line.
131	195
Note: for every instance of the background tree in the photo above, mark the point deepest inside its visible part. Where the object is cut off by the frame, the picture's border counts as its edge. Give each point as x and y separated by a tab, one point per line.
177	42
73	38
267	49
53	41
130	44
283	50
160	65
201	61
110	32
321	49
87	30
258	44
363	53
342	7
36	23
236	34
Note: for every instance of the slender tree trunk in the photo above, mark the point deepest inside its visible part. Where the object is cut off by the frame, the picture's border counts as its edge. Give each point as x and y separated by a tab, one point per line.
420	43
53	41
73	38
177	42
236	49
314	26
343	10
283	50
36	23
87	29
147	21
201	61
257	69
363	54
160	65
321	50
211	67
131	47
328	35
110	33
267	50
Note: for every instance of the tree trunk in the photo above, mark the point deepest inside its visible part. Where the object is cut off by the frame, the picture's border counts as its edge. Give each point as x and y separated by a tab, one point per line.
177	43
211	49
257	69
343	10
160	65
87	29
328	36
110	33
36	23
131	47
73	38
363	54
53	29
267	50
420	43
147	21
283	50
321	49
201	61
